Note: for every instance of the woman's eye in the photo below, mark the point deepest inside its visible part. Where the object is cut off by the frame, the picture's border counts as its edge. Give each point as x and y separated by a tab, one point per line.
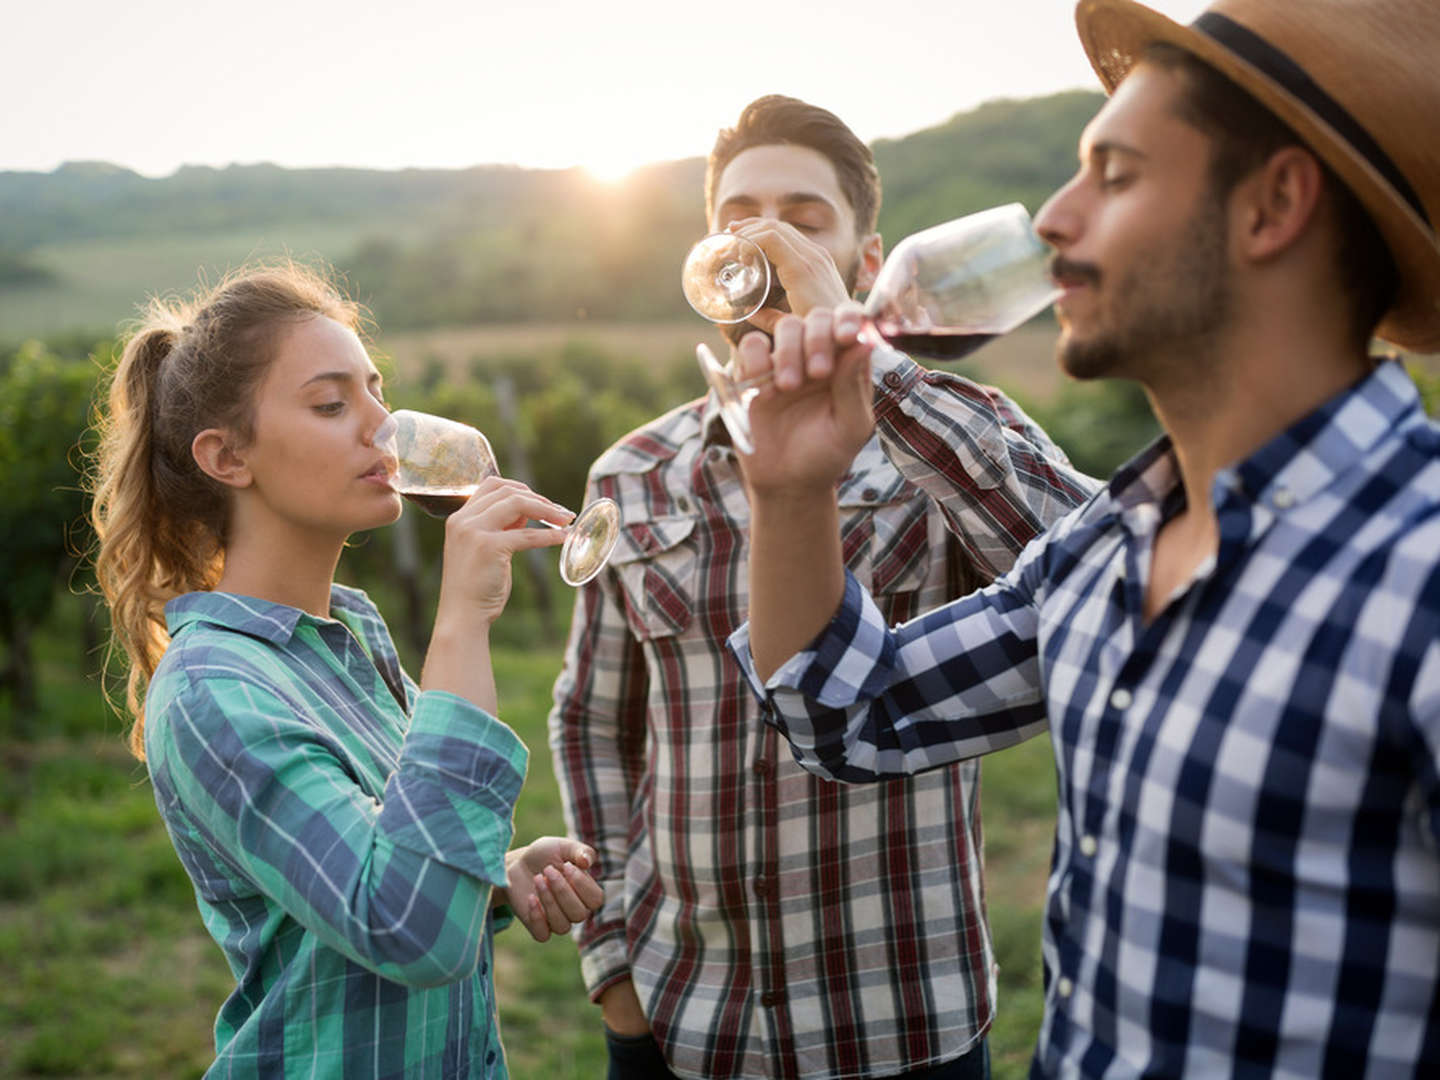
1112	181
330	408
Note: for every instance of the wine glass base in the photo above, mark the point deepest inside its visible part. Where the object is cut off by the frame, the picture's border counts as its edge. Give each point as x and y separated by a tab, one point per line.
592	538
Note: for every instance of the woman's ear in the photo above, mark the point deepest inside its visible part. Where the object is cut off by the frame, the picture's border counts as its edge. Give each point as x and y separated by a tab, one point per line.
214	451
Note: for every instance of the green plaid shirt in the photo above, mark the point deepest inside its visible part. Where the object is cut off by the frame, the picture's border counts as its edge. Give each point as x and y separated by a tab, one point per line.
343	832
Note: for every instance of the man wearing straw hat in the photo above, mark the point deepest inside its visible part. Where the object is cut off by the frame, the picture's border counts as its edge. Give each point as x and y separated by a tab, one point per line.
1235	646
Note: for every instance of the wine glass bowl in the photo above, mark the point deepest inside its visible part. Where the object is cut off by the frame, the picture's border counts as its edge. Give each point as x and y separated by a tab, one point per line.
946	290
942	293
440	463
726	278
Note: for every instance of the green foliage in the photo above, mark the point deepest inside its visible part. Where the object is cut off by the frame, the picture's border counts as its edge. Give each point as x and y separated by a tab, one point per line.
1100	425
44	407
1427	379
1004	151
18	270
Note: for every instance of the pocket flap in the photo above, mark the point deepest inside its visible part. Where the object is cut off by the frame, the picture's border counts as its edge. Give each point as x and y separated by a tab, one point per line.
646	539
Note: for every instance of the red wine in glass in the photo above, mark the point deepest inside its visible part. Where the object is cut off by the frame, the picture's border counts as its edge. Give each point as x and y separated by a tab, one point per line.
439	503
440	463
942	293
939	345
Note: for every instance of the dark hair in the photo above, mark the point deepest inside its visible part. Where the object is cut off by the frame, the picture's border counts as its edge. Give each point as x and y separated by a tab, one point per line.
1244	134
160	521
776	119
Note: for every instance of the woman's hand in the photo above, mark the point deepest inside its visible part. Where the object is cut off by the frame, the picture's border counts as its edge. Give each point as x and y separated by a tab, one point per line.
480	539
549	885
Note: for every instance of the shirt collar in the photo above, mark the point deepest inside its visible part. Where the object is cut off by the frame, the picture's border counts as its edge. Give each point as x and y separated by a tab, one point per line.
264	619
1296	464
1317	449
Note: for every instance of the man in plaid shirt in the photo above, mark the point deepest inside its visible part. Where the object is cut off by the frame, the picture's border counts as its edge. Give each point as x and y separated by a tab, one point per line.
759	922
1236	645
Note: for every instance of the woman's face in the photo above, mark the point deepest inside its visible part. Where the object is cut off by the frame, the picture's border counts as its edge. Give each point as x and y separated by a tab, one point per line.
311	461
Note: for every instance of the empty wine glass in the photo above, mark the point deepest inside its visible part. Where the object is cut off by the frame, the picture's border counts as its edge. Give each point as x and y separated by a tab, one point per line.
441	462
726	277
943	292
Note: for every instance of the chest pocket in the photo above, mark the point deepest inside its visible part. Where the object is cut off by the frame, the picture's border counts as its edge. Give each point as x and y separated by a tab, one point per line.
656	563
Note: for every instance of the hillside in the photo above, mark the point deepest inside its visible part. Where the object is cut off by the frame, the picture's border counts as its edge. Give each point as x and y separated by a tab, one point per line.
81	245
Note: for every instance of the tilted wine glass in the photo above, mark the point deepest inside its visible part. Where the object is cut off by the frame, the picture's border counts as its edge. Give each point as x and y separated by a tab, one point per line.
943	292
726	277
441	462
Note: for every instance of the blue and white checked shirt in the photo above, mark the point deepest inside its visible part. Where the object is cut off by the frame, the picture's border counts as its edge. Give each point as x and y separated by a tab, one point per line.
1245	878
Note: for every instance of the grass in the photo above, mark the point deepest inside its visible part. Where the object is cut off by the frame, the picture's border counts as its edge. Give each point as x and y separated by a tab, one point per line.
109	973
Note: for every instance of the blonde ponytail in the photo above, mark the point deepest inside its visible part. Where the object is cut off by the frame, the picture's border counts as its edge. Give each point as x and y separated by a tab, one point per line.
160	521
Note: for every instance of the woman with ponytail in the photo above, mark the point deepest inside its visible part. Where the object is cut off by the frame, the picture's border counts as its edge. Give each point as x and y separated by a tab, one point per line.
346	829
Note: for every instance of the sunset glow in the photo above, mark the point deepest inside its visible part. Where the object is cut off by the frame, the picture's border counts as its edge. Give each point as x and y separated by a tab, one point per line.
553	84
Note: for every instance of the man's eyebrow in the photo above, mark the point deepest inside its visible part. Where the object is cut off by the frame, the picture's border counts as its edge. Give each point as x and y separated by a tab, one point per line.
1105	147
790	198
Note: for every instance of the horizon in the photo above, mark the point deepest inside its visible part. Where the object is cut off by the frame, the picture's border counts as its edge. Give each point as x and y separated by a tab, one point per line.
98	163
447	86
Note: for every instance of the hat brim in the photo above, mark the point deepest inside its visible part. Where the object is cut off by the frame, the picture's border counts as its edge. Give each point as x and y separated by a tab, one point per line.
1114	34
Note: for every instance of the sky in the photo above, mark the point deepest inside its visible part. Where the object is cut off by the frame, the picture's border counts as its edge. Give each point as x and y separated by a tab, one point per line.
156	84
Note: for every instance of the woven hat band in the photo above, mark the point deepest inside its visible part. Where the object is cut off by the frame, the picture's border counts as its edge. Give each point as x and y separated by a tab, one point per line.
1264	57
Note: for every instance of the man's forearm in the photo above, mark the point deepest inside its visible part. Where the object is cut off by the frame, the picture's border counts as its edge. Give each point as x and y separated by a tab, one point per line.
797	573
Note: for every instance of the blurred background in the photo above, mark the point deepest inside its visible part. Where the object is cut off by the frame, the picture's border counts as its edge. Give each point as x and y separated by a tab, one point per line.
511	196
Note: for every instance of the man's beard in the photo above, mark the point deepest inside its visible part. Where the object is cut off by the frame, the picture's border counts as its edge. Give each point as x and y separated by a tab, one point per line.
1174	304
777	299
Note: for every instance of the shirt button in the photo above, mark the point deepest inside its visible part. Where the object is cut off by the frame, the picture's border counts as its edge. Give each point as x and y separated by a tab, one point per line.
771	998
1122	698
763	886
1088	846
892	380
1283	498
683	503
761	767
870	494
1064	987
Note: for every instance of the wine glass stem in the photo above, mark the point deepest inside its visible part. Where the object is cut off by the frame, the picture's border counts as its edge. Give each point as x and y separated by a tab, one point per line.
755	382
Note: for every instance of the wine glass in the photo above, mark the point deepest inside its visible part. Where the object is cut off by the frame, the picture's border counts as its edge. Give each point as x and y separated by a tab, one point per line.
726	277
943	292
441	462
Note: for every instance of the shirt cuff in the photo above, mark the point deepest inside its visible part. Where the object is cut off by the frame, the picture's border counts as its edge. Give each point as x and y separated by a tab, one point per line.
894	375
603	963
848	661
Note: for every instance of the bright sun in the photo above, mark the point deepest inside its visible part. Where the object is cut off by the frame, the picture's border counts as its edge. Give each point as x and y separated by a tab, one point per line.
611	170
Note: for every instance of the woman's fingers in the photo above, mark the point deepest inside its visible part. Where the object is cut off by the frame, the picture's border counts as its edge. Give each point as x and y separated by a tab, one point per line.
587	889
560	894
504	503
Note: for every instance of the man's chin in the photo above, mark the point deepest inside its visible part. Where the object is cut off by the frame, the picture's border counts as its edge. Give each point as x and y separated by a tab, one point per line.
1085	359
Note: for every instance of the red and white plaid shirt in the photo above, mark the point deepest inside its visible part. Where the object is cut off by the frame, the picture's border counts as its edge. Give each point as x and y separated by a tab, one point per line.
776	925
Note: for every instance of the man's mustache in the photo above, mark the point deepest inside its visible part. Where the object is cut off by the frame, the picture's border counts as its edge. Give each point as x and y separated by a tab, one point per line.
1068	271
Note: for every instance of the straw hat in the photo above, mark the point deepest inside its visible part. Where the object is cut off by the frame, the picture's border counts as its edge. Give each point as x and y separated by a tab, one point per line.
1357	80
